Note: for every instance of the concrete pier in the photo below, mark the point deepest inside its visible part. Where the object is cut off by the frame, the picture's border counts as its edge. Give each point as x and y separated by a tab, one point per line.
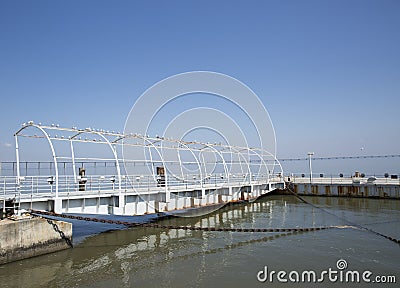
26	238
348	187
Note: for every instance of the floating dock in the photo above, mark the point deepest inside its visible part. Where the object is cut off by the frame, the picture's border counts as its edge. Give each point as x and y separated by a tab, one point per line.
124	175
144	174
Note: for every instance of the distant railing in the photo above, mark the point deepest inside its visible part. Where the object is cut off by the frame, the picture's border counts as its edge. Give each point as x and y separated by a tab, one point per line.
319	178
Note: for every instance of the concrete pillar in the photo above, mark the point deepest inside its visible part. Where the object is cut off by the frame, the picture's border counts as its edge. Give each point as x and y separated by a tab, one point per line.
58	205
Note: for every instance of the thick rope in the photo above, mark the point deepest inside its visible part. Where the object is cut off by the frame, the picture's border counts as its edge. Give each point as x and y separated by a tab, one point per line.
351	224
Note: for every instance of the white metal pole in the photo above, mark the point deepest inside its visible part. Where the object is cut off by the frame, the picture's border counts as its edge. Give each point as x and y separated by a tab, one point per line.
73	162
17	157
309	162
18	177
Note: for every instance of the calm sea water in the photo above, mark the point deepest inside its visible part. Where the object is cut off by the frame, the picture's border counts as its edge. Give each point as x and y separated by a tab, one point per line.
149	257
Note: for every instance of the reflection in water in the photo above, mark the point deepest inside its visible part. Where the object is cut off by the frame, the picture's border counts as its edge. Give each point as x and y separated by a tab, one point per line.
149	257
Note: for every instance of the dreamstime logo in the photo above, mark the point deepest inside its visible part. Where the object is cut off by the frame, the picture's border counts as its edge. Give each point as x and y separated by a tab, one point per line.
205	106
332	275
341	264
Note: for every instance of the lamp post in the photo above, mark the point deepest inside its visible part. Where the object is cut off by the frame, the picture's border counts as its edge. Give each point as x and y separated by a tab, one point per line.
309	163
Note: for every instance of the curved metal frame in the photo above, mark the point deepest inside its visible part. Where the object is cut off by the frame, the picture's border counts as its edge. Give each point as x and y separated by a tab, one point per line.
197	152
220	155
46	135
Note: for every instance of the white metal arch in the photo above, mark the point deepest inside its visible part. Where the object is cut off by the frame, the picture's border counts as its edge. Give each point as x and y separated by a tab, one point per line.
220	155
109	144
261	159
197	160
273	157
116	159
241	155
46	135
145	139
156	145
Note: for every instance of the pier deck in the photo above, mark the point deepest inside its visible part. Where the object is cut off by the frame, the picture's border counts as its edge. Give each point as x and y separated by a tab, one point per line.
98	197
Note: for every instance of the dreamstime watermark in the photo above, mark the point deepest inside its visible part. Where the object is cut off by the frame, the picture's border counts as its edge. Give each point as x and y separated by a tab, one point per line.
340	274
218	108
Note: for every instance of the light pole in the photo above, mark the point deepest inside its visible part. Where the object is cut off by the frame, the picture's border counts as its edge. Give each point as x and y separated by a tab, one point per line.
309	163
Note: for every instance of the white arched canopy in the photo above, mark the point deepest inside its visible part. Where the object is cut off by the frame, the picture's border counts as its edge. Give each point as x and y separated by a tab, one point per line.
143	154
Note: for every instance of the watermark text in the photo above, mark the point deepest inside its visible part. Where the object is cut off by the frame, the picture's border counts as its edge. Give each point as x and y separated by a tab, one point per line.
334	275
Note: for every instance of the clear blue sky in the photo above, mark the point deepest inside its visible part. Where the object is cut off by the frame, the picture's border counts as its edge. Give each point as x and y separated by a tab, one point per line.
327	71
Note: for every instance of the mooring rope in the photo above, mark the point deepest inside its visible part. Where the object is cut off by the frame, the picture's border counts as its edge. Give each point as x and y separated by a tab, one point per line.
351	224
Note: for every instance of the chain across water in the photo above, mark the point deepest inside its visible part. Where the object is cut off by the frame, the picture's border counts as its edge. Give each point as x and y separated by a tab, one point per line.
194	228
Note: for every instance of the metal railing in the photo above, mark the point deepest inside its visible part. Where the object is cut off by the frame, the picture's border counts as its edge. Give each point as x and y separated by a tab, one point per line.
319	178
44	186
